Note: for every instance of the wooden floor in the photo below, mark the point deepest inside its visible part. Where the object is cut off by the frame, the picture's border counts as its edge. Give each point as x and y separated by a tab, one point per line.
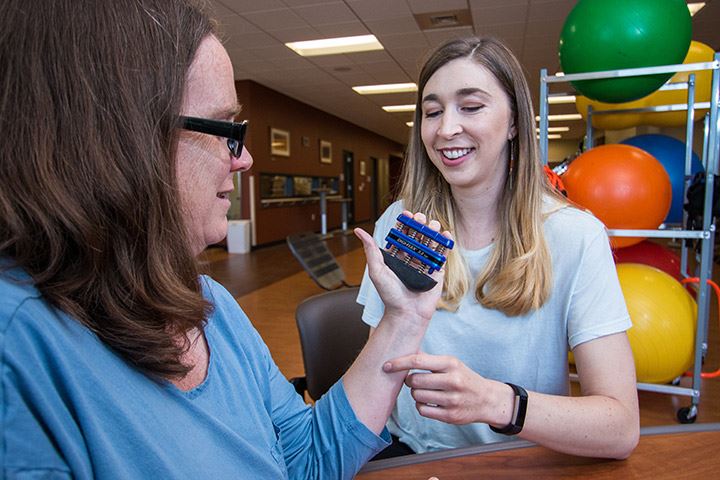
269	283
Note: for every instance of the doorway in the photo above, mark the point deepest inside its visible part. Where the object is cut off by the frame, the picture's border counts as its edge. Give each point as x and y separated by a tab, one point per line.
349	175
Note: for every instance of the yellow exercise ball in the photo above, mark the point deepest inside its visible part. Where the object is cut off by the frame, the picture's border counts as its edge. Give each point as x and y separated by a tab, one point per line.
610	121
664	316
697	53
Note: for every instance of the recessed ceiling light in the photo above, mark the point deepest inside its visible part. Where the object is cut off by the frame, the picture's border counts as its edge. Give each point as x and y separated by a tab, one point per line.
387	88
695	7
409	124
399	108
562	116
332	46
555	129
558	99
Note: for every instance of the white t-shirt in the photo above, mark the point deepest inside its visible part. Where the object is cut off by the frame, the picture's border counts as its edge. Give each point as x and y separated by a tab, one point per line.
586	302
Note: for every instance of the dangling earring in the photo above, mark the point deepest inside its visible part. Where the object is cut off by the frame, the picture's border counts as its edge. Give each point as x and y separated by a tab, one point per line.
512	163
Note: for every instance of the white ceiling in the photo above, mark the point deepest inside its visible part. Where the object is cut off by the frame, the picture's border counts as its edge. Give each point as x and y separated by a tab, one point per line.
254	32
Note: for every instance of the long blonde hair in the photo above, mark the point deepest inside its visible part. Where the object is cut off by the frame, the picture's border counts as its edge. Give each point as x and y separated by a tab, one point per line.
518	275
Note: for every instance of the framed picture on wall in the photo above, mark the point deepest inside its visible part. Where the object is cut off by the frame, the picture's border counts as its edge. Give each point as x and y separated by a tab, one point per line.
279	142
325	152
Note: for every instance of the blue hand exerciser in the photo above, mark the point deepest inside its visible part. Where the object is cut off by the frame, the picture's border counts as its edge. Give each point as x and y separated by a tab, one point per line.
414	251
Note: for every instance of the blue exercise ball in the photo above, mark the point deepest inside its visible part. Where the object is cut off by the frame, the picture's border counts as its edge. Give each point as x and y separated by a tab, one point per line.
670	152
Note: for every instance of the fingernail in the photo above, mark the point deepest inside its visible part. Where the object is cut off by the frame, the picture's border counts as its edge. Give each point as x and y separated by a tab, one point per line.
387	367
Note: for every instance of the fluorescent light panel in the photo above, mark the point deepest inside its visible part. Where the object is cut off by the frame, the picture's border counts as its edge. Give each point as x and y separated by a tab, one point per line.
558	99
387	88
695	7
561	116
556	129
399	108
333	46
555	136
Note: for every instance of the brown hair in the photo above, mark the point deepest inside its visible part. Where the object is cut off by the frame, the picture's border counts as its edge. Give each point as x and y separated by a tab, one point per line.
517	277
89	96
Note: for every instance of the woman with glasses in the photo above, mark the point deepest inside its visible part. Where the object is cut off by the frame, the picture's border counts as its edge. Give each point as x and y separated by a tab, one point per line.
117	359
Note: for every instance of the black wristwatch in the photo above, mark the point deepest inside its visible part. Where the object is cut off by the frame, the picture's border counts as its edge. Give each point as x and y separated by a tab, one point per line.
518	417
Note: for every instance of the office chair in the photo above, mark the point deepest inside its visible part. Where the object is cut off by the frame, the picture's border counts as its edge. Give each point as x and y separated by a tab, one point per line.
332	334
317	260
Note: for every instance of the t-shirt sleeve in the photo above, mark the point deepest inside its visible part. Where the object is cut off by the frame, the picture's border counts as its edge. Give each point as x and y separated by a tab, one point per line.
324	441
35	433
368	295
597	305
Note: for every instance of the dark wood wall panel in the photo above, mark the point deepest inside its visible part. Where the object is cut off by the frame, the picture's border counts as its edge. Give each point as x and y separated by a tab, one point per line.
266	109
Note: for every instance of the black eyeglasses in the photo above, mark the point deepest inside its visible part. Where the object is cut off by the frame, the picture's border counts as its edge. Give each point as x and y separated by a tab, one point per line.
233	131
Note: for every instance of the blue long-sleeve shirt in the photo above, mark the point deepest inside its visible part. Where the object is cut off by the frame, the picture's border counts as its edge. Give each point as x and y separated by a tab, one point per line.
71	407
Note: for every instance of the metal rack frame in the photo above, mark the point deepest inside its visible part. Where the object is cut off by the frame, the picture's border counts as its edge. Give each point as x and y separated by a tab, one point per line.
711	152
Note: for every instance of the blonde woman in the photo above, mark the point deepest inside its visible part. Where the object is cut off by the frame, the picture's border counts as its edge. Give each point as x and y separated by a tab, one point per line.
530	278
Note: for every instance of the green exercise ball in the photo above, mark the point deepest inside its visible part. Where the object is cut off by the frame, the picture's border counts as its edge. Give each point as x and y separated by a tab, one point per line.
616	34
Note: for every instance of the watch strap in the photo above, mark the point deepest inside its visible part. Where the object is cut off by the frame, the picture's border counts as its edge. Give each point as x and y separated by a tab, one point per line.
518	417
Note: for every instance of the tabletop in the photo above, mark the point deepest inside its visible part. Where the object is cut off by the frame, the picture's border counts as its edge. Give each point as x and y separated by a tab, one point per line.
676	451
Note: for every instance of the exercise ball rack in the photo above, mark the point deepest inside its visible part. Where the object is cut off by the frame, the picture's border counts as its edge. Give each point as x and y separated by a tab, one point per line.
706	236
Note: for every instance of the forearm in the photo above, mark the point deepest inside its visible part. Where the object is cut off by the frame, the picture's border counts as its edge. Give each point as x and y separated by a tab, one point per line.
592	426
371	391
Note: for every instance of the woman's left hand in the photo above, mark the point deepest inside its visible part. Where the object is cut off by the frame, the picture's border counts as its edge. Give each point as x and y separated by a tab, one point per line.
451	392
395	295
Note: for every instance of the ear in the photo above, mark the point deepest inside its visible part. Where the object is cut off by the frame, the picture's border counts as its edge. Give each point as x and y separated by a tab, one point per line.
512	133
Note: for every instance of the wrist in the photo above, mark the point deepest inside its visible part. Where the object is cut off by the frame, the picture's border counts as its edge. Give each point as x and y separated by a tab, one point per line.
406	318
514	422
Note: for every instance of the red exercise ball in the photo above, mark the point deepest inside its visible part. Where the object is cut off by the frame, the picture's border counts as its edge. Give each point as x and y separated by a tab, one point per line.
624	186
652	254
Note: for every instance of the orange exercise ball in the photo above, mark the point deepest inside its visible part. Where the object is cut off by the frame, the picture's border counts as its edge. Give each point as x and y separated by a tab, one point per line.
624	186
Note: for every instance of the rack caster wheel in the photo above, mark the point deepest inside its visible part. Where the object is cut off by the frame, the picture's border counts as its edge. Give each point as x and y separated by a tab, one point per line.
687	414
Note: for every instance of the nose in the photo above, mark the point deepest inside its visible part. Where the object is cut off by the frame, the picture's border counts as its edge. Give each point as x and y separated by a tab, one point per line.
243	162
449	125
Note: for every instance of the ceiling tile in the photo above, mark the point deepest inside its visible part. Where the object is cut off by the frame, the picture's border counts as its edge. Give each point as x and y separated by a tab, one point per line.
242	7
500	15
502	30
436	37
552	11
343	29
274	51
254	31
393	25
550	30
274	20
327	13
296	34
249	40
416	39
360	58
235	25
379	9
429	6
492	3
302	3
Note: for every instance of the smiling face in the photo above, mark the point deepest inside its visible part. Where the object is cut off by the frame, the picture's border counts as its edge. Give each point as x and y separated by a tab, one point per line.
467	122
205	167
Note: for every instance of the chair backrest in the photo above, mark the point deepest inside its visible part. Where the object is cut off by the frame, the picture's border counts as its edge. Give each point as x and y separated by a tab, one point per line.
332	334
317	260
